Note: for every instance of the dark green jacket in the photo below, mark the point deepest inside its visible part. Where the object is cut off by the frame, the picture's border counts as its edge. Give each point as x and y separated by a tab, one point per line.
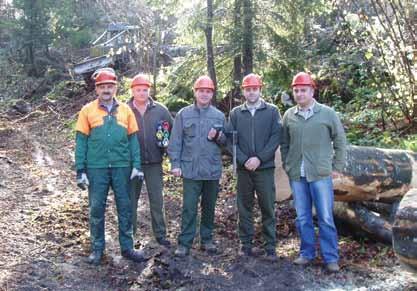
189	149
106	139
257	135
320	141
155	112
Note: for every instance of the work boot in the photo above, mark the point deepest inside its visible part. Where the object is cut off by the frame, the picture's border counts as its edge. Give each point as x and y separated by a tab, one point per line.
133	255
95	258
271	255
302	261
332	267
182	251
163	242
247	251
209	247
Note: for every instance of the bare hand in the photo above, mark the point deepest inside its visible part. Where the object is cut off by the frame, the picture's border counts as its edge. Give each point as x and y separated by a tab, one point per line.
212	133
252	164
336	175
176	172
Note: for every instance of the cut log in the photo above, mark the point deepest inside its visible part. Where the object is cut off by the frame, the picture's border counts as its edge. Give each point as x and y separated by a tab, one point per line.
360	220
370	174
404	230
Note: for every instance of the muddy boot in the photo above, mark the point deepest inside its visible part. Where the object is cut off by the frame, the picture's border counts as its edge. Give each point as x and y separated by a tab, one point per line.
247	251
209	247
95	258
332	267
182	251
133	255
302	261
163	242
271	255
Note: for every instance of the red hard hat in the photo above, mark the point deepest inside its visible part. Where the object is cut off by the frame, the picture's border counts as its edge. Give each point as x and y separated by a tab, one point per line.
140	80
303	78
252	80
105	76
204	82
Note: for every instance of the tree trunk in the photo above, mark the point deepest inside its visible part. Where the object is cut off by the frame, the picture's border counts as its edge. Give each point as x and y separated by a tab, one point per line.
237	60
247	41
358	219
156	48
371	184
370	174
404	230
209	44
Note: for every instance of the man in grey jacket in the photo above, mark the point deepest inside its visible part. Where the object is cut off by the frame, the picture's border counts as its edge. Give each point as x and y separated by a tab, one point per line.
155	122
195	154
258	127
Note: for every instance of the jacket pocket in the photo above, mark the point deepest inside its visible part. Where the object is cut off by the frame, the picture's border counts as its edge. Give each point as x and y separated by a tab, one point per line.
189	129
216	166
324	167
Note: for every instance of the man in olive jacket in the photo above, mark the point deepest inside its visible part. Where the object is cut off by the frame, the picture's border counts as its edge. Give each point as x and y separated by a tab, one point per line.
258	127
155	123
195	154
313	150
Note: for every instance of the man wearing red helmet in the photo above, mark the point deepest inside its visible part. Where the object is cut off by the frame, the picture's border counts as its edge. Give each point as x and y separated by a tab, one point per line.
155	123
107	154
258	127
195	154
313	149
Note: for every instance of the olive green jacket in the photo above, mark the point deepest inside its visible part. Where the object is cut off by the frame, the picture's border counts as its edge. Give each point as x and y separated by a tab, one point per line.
320	141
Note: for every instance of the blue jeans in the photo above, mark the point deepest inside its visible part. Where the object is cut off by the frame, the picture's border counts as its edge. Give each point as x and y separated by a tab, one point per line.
321	194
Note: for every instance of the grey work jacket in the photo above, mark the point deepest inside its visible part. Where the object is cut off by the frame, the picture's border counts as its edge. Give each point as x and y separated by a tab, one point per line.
189	148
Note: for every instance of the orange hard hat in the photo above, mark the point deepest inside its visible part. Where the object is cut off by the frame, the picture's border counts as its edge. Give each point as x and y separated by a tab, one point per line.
303	78
140	80
105	76
252	80
204	82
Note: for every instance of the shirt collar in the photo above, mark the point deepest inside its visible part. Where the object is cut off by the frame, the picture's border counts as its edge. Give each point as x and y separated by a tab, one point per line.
310	108
259	105
113	105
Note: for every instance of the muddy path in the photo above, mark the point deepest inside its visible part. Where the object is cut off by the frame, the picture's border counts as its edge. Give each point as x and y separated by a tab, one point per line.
44	237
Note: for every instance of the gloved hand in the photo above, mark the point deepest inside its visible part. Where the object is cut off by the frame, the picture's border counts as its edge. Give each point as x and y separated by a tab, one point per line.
136	173
82	180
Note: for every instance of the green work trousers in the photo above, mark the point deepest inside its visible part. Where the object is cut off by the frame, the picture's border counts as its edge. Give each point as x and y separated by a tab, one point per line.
154	185
100	182
192	190
261	181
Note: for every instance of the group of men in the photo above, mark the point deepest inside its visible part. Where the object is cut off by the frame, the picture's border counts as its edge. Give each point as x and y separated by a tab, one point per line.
120	145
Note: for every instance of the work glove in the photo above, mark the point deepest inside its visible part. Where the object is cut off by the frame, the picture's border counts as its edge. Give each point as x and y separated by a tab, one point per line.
136	173
82	180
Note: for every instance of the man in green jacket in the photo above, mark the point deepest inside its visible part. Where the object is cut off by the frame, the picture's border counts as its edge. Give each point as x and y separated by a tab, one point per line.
195	154
313	149
155	123
107	155
258	127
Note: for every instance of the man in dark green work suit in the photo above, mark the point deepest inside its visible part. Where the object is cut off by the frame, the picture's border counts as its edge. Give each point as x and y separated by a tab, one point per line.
107	155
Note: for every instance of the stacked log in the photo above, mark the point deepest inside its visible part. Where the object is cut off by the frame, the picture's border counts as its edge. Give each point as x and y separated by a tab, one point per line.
369	196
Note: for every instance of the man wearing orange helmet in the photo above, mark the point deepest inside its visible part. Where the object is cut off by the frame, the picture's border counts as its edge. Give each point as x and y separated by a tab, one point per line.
107	155
195	154
155	123
313	150
258	127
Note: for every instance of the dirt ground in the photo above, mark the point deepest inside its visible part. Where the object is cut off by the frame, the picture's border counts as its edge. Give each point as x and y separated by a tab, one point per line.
44	237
